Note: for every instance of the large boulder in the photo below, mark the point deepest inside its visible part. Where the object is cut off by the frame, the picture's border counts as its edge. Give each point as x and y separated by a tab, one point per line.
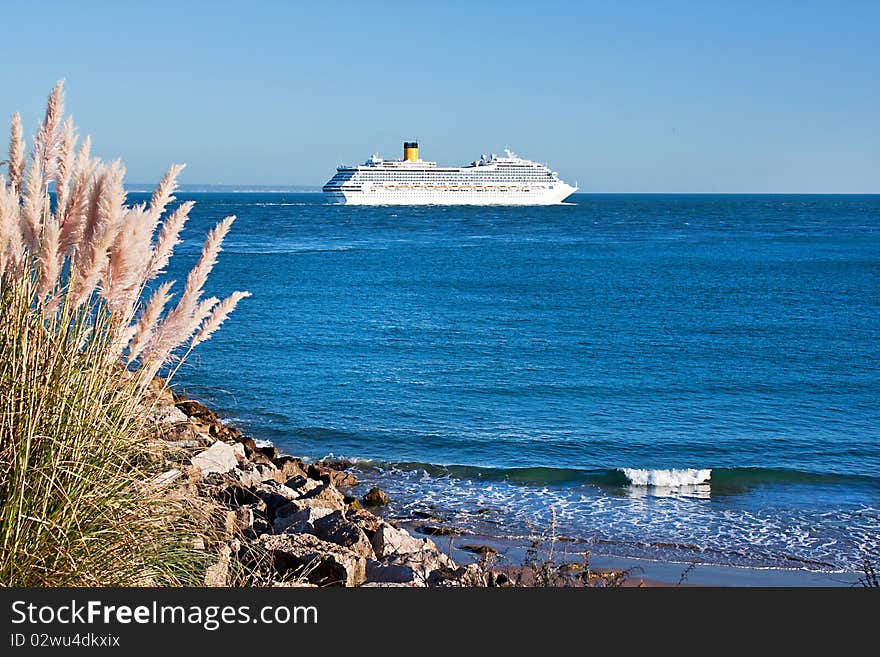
274	495
328	494
288	467
397	547
218	458
389	541
471	575
367	522
307	557
376	497
332	473
218	573
302	484
334	528
295	518
379	572
167	415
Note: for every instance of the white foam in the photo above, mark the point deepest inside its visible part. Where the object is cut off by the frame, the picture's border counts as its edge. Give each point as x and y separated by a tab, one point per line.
673	478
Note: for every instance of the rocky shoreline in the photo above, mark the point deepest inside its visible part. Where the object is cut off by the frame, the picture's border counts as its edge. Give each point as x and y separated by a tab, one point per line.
283	522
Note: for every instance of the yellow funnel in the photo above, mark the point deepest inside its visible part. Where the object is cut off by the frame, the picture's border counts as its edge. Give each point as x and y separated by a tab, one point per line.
411	151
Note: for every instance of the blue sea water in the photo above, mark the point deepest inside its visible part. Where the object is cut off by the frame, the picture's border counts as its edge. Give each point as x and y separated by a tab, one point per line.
504	366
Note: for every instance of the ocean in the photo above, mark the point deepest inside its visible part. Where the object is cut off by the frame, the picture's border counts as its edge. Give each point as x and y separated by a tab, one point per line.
690	378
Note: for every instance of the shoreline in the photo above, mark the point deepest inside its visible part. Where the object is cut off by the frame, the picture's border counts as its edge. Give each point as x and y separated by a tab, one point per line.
508	556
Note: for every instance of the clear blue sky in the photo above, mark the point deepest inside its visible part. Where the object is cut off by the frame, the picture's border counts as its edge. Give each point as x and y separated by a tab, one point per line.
622	97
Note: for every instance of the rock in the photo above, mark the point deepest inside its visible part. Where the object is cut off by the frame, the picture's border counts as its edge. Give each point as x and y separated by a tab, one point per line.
390	573
250	446
396	546
499	579
439	530
334	528
328	494
275	496
483	550
423	564
236	495
204	439
302	484
259	458
194	409
158	393
335	464
296	519
367	522
167	415
335	472
352	503
429	515
247	478
238	450
289	467
269	451
268	472
343	479
218	458
218	574
239	520
385	585
304	556
471	575
376	497
389	541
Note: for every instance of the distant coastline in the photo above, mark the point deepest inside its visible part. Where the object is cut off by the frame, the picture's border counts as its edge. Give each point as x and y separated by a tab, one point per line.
229	189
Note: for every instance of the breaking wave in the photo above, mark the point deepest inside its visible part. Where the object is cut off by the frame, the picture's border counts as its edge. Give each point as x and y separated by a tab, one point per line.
673	478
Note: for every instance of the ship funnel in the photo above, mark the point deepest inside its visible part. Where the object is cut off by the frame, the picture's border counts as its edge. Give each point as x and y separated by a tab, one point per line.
411	151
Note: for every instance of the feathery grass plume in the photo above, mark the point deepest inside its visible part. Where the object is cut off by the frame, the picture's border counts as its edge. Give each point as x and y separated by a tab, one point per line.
47	143
128	261
180	323
148	320
92	268
16	152
50	265
33	206
10	232
218	316
169	237
76	213
164	193
106	206
66	154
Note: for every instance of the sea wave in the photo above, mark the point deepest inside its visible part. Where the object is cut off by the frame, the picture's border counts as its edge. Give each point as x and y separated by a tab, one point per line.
673	478
723	481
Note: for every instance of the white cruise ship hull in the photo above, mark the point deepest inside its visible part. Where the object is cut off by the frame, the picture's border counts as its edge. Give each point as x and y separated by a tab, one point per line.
545	196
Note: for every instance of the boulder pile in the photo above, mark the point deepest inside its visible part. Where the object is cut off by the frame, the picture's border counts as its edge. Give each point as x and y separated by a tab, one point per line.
290	523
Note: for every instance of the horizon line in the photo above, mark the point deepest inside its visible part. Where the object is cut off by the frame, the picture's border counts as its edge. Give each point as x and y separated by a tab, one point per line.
312	189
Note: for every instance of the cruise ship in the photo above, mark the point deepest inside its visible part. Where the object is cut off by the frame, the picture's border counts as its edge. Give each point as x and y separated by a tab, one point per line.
491	180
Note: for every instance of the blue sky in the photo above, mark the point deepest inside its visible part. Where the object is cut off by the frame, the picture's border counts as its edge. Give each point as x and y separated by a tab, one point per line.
621	97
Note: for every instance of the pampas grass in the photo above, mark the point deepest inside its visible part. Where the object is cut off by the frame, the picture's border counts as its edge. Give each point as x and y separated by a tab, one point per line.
79	344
